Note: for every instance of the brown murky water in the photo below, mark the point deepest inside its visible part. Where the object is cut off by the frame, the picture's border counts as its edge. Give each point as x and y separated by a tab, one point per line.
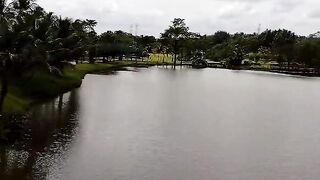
160	124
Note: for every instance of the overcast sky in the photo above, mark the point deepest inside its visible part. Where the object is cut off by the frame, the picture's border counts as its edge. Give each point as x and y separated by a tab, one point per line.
202	16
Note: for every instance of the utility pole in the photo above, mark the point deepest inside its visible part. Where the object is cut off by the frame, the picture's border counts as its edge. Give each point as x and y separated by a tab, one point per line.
136	29
259	29
131	28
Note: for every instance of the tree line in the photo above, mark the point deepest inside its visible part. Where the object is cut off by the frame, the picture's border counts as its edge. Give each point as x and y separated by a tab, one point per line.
282	46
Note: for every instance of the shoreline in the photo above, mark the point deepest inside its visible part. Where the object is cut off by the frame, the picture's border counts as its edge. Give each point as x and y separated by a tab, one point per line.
43	86
294	73
24	93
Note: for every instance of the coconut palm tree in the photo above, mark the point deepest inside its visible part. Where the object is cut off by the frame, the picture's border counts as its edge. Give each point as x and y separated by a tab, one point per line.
6	32
17	44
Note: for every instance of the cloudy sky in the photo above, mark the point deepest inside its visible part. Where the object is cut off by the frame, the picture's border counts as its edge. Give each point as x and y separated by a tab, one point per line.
202	16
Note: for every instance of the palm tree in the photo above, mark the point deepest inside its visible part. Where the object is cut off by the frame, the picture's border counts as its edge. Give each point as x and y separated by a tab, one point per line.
16	44
5	56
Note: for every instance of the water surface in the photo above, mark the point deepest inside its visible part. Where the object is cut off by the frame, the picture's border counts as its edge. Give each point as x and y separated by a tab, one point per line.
160	124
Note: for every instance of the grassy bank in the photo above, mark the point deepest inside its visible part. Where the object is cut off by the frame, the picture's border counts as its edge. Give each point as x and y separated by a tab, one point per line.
41	84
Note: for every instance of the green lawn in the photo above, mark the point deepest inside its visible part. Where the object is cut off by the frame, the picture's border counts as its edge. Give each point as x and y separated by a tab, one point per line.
41	85
14	103
161	58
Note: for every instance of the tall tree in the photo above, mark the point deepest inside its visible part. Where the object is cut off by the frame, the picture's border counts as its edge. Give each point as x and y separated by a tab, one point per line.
176	33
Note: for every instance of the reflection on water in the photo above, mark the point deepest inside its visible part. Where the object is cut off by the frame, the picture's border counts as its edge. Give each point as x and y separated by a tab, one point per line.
30	143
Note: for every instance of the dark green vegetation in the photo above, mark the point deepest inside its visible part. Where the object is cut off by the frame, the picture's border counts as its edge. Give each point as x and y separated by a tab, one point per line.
38	47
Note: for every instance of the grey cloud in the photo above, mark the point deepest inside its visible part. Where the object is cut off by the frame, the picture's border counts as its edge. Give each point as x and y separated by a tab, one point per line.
286	6
314	14
235	11
205	16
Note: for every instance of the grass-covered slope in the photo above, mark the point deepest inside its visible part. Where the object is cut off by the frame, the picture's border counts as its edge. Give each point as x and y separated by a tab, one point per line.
43	85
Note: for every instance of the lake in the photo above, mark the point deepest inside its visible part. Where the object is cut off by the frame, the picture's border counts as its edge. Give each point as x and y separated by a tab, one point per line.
161	124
